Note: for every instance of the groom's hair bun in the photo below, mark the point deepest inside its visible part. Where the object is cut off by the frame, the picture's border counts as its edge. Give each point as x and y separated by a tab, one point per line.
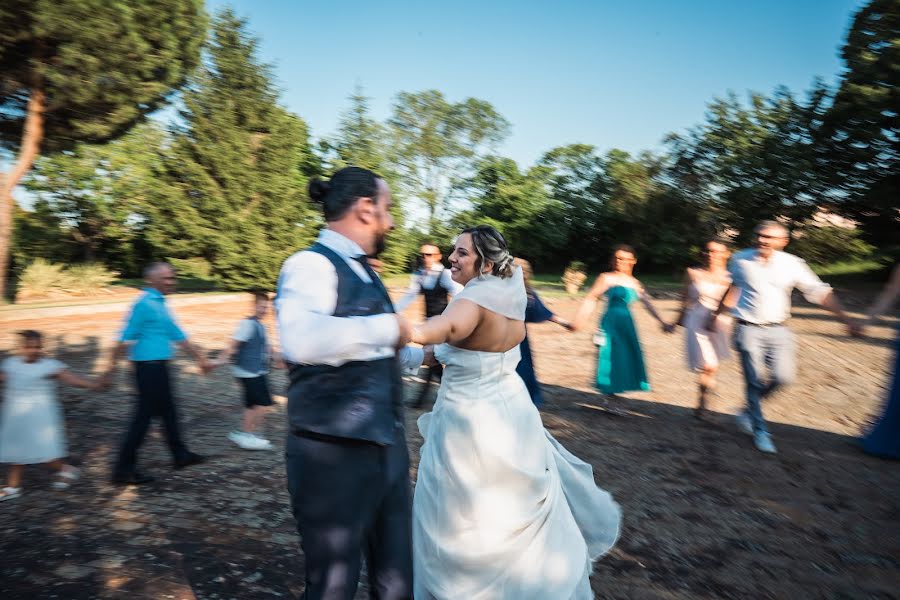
342	191
318	190
490	246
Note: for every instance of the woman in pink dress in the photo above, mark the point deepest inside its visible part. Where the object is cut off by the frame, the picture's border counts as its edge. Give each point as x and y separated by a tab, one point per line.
703	290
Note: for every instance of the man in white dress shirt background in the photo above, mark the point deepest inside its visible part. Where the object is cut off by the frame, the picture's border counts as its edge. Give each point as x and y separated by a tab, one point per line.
433	282
346	455
763	278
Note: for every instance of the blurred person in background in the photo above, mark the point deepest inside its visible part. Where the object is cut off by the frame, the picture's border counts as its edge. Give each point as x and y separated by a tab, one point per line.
252	355
433	282
620	361
149	334
703	289
535	312
759	298
32	427
883	439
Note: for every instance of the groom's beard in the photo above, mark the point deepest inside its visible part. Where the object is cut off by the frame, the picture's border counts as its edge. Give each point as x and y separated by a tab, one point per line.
380	243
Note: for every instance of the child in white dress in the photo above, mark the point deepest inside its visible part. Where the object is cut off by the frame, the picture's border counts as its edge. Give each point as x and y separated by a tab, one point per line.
32	430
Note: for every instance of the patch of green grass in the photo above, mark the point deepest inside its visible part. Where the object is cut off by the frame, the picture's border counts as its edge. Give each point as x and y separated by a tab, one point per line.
550	284
185	284
857	267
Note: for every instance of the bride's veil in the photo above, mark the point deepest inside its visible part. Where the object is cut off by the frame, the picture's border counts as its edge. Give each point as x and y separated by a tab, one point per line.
503	296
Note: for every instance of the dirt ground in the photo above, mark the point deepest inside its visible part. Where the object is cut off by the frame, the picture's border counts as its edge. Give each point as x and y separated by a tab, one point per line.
705	514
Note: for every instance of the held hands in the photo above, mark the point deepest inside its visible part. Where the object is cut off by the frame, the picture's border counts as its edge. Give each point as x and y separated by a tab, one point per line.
104	382
567	325
206	366
405	331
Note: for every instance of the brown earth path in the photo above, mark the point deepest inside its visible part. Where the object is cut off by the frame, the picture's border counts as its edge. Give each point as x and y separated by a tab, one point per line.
705	515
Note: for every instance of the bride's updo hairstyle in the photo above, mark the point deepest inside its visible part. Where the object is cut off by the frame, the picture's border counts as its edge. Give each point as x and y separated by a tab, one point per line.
344	188
490	246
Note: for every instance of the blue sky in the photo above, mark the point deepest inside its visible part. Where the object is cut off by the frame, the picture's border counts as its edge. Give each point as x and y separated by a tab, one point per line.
609	73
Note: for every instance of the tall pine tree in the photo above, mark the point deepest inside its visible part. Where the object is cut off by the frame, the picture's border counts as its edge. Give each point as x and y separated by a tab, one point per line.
362	141
232	187
85	70
861	132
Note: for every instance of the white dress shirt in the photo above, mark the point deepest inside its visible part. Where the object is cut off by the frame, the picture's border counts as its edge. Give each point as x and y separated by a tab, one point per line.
766	286
427	280
307	297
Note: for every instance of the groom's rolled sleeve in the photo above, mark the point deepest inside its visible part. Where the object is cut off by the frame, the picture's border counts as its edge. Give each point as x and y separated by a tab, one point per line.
411	358
309	331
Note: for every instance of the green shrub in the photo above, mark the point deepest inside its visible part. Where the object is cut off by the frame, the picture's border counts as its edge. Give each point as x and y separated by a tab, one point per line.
827	245
42	279
197	268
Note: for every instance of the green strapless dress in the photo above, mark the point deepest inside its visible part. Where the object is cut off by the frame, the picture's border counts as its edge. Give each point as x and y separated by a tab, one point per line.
620	363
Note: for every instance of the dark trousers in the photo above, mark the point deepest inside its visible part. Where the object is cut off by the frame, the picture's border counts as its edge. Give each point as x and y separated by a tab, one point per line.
352	498
154	398
435	372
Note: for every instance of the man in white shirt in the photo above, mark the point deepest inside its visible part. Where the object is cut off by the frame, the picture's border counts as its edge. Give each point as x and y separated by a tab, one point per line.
763	278
434	283
346	456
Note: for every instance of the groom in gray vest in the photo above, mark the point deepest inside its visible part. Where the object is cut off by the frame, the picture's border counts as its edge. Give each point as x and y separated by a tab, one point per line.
347	462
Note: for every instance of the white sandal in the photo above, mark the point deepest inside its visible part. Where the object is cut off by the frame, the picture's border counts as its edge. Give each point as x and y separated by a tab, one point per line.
10	493
67	472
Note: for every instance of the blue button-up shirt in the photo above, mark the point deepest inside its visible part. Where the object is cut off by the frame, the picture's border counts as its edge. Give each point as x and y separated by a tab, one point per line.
152	328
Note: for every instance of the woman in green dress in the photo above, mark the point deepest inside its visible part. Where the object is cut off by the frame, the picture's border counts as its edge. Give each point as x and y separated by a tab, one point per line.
620	362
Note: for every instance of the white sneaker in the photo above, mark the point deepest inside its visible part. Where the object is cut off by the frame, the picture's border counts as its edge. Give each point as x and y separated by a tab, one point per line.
239	438
65	477
763	442
267	443
248	441
10	493
744	423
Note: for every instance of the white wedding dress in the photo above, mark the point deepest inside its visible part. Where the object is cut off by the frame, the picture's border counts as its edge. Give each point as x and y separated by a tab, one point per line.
501	510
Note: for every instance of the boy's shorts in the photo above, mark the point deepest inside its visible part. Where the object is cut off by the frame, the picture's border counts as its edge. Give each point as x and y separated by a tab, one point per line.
256	391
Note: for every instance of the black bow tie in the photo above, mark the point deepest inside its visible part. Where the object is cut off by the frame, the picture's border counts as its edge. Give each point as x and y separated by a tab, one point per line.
376	280
364	261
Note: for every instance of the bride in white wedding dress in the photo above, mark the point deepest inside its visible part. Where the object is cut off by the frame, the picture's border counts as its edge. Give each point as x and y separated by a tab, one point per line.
501	510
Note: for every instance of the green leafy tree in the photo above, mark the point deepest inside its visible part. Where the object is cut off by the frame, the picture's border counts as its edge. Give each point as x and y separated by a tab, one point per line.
822	245
756	161
364	142
860	140
85	70
517	204
98	194
643	209
231	186
576	180
39	233
438	142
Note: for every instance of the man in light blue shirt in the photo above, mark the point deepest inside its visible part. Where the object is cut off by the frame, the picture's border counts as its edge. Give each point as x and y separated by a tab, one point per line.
149	335
151	328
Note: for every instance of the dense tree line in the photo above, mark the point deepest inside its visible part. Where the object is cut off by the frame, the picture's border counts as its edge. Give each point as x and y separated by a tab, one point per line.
221	190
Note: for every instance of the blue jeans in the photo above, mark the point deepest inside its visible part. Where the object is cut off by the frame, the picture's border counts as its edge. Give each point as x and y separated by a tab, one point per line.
763	349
